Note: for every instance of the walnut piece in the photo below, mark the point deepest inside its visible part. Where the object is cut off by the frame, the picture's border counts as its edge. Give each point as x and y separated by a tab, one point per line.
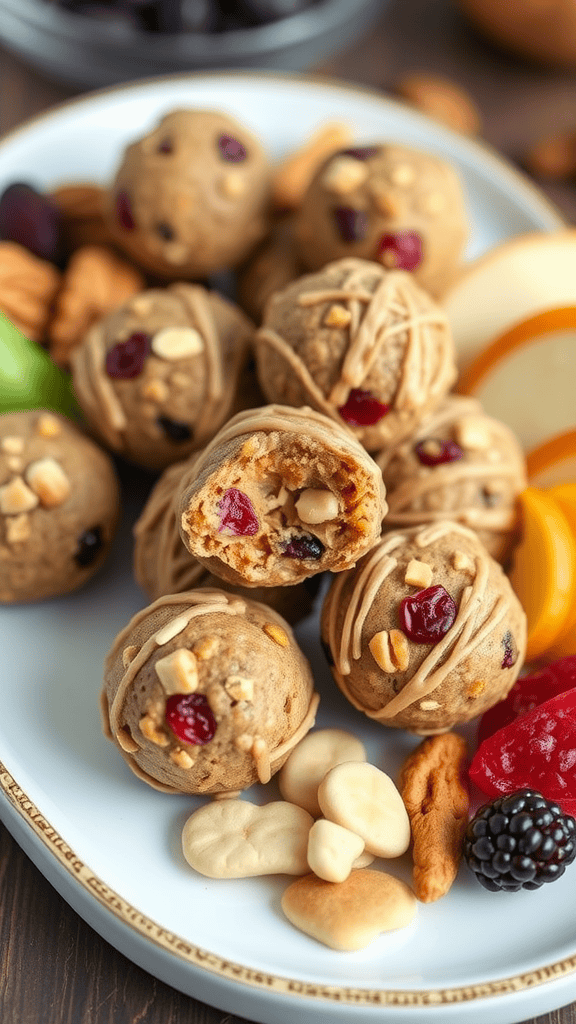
28	286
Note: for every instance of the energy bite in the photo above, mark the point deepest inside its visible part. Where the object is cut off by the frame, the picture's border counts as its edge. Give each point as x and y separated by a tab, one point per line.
192	196
362	344
400	207
163	565
460	464
279	495
206	692
59	506
158	377
426	632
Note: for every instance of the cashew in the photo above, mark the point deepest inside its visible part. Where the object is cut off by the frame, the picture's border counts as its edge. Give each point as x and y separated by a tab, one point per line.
308	763
365	800
332	850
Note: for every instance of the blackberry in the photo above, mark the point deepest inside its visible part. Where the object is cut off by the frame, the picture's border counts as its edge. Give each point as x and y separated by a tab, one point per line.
519	841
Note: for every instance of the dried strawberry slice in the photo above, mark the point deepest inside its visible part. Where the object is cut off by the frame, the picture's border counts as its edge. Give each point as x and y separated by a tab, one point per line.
537	750
527	694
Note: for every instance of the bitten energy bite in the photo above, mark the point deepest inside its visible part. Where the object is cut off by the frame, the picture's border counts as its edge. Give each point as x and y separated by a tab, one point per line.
59	504
158	377
205	692
426	631
384	202
459	464
192	196
362	344
279	495
163	565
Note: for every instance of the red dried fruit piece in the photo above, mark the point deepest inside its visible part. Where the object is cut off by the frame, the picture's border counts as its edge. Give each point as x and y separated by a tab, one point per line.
305	546
352	224
361	409
361	152
433	452
31	219
528	693
510	650
427	616
400	250
190	718
126	359
537	750
124	211
231	149
237	515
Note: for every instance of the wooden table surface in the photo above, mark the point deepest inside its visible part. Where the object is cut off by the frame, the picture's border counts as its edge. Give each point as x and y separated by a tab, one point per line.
54	969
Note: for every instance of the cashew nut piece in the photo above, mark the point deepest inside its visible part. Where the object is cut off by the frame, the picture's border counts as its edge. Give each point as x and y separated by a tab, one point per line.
365	800
308	763
332	850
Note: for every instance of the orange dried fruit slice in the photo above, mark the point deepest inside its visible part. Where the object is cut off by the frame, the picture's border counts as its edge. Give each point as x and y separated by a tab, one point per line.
554	461
543	572
565	643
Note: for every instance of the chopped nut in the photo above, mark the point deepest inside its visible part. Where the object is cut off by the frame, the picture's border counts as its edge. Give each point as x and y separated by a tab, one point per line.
402	174
17	528
380	650
177	343
276	633
418	574
128	654
150	730
239	688
400	649
155	390
178	671
244	742
49	481
316	505
429	705
205	648
181	758
338	316
462	562
142	305
16	497
232	185
48	425
441	99
475	688
472	432
12	445
344	174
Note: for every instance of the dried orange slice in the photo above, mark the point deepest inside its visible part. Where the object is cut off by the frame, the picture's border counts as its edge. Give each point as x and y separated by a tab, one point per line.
543	573
565	643
554	461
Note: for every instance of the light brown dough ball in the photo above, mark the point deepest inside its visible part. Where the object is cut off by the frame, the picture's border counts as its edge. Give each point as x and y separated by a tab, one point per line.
158	377
192	196
362	344
280	495
59	506
400	207
442	658
163	565
205	692
460	464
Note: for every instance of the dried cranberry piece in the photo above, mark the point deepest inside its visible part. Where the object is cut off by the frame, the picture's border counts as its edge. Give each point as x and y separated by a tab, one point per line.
352	224
89	544
190	718
528	693
32	220
126	359
401	250
536	750
124	211
237	515
231	149
165	147
433	452
174	429
304	546
361	152
362	409
427	616
510	650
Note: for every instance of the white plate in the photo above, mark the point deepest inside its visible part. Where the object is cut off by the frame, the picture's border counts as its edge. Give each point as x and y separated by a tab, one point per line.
108	843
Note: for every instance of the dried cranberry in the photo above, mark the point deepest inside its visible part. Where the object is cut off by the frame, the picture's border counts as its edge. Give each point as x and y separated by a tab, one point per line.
352	224
126	359
361	152
510	650
528	693
124	211
237	515
361	409
32	220
174	429
427	616
231	149
190	718
304	546
165	147
401	250
536	750
89	544
433	452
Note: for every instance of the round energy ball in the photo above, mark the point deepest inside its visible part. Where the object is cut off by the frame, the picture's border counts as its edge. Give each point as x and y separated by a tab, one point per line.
385	202
191	197
460	464
206	692
158	377
426	631
359	343
59	506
